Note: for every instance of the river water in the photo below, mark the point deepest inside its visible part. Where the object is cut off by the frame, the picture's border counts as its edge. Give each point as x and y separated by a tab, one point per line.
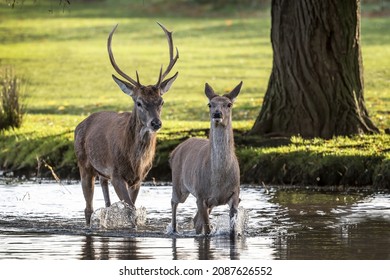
46	221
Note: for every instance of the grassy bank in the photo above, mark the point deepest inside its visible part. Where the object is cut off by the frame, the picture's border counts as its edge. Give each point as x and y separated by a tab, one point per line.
63	56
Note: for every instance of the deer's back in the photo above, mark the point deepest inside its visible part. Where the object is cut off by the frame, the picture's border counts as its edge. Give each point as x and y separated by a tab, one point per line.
191	152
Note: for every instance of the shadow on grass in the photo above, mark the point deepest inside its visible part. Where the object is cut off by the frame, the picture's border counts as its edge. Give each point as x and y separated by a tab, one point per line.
307	168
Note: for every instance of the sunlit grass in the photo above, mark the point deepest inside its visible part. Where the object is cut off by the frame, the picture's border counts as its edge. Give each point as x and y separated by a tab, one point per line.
73	71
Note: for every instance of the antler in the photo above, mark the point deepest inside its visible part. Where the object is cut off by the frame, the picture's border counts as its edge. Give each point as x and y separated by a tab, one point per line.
118	70
172	60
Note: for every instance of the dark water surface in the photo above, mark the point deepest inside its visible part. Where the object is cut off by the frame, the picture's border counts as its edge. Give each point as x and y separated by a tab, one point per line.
46	221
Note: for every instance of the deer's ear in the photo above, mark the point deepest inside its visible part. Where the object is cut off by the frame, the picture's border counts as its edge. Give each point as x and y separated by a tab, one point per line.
234	93
166	85
124	86
208	90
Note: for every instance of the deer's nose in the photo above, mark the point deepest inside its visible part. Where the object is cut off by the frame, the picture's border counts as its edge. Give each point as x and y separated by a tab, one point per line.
217	115
156	124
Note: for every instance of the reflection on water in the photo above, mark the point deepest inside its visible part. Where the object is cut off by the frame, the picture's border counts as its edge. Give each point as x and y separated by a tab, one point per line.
47	222
336	226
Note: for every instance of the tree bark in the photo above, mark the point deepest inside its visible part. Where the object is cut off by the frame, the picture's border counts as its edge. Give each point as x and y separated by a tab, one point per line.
316	85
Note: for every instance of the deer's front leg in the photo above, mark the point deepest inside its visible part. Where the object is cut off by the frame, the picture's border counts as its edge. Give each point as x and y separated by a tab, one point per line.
120	187
201	220
174	209
235	200
133	192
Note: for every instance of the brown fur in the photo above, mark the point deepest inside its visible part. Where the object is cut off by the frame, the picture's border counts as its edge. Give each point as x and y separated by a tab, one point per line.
120	147
115	147
208	169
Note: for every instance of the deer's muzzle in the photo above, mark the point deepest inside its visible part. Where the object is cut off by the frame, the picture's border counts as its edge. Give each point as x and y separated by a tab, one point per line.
217	115
156	124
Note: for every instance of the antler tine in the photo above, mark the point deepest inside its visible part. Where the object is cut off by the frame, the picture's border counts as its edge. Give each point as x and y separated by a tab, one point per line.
113	63
136	73
159	77
172	60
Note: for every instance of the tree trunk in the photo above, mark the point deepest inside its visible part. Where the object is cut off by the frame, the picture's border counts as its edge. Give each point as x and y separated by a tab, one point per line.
316	85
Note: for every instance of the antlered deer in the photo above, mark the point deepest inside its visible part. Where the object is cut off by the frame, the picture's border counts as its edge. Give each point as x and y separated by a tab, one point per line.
208	169
120	146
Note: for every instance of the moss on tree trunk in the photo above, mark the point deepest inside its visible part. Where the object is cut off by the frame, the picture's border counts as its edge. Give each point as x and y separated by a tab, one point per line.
316	85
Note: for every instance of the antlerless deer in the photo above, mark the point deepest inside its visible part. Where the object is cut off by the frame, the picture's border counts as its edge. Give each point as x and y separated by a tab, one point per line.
120	146
208	169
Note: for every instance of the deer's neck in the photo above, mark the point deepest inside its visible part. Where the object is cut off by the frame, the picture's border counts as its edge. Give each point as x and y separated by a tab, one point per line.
221	148
141	142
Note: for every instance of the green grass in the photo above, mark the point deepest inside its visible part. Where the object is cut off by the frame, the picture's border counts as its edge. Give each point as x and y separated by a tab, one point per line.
64	58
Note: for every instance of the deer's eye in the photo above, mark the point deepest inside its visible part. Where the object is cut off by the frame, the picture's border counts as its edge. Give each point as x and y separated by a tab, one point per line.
230	105
209	105
139	104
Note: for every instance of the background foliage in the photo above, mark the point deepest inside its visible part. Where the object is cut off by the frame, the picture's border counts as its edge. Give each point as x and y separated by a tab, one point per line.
62	52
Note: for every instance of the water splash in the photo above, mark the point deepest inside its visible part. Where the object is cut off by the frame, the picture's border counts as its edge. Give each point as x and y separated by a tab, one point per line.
140	216
222	224
169	230
118	216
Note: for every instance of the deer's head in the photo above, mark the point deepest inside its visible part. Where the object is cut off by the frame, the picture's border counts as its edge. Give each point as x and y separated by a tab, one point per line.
147	99
220	106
